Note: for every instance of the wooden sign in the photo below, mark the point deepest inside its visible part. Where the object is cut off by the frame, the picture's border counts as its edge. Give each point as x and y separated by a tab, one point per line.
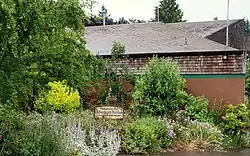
108	112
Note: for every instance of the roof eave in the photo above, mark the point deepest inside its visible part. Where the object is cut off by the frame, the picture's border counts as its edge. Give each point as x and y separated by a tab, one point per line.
179	53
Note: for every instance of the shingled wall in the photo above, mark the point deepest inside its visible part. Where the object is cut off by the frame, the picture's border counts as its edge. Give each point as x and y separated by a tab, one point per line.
247	42
194	64
219	89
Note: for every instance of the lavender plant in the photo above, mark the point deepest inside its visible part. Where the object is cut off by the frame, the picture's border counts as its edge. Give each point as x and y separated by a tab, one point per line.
106	143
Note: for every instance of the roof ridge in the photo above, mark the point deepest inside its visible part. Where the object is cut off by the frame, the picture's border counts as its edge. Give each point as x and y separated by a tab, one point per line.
236	20
117	25
114	25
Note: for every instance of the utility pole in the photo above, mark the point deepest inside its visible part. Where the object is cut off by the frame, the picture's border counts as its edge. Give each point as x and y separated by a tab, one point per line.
227	39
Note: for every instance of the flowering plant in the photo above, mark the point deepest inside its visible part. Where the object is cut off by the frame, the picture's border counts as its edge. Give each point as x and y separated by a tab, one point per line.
198	134
3	137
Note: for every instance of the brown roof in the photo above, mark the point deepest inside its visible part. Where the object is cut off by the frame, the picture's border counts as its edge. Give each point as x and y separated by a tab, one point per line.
150	38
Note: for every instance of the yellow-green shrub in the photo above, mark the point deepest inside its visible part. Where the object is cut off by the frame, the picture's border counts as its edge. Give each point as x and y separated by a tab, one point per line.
235	120
60	98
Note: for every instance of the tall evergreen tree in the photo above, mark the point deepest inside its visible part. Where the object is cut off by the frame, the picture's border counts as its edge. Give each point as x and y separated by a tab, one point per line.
169	12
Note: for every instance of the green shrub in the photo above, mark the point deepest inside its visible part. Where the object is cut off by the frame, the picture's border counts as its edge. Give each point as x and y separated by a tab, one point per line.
165	134
145	135
215	115
159	87
237	141
197	109
32	135
60	98
235	119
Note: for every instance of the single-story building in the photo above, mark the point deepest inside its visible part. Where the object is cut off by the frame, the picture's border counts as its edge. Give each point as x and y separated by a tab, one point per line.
210	68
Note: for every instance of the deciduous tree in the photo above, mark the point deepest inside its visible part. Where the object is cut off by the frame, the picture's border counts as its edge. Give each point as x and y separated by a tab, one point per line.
41	41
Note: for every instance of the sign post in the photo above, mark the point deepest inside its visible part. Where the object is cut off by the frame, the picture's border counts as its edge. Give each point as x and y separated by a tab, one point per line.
109	112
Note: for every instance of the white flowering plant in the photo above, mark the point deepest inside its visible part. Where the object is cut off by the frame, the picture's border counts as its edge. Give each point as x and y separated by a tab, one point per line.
199	134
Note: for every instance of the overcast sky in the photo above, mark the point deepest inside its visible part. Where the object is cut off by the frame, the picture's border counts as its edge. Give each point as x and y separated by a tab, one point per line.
194	10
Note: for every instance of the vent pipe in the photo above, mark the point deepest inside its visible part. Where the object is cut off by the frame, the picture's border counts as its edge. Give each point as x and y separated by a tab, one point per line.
185	41
104	19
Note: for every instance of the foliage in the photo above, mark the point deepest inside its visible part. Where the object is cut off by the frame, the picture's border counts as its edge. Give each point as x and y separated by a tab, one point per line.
32	136
94	20
159	88
248	80
54	134
235	119
104	11
89	5
197	109
60	98
236	141
3	135
146	135
41	41
215	115
196	134
169	12
246	27
97	20
116	76
106	142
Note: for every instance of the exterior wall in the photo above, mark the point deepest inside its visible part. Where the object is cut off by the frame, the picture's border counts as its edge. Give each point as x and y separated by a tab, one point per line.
247	43
95	93
221	81
235	34
194	64
219	89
